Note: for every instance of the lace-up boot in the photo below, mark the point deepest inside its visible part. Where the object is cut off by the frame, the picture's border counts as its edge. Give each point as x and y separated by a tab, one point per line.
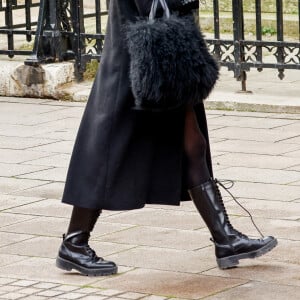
230	244
75	253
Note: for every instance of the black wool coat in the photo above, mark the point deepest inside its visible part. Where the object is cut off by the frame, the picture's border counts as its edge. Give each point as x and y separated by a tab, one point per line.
123	158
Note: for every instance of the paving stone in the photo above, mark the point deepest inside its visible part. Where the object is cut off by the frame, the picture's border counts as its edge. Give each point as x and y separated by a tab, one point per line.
131	295
9	288
66	134
48	207
53	190
297	183
5	281
103	229
67	111
284	229
12	296
88	290
70	296
294	168
256	161
252	134
291	140
110	292
39	246
57	147
266	272
7	238
262	148
105	249
295	154
169	283
50	246
56	160
67	288
259	290
9	170
159	218
22	143
44	269
9	219
22	131
10	201
167	259
43	118
46	285
29	291
293	126
10	185
27	108
72	123
153	297
160	237
96	297
251	122
287	251
52	174
50	293
47	226
264	191
7	259
24	283
261	175
35	297
266	209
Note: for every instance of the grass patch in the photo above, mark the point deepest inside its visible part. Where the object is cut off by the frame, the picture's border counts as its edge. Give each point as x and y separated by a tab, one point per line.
91	70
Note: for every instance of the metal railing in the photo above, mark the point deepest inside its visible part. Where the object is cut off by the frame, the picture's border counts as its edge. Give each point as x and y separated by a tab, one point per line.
240	54
68	29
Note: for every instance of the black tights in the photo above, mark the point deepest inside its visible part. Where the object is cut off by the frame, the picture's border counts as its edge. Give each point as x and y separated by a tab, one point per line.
195	150
84	219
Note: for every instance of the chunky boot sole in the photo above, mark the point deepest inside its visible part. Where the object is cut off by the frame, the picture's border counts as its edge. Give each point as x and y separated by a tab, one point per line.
68	266
232	261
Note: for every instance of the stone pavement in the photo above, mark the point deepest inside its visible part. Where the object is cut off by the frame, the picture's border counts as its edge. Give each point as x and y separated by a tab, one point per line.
163	252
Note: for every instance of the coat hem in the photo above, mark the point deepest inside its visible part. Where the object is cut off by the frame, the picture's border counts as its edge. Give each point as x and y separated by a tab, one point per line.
123	208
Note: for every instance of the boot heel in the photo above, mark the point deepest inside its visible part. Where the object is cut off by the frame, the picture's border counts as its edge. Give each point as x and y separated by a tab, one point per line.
63	264
227	262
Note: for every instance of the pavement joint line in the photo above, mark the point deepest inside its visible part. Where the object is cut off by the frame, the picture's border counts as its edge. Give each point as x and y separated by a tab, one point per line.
10	244
36	158
32	172
21	205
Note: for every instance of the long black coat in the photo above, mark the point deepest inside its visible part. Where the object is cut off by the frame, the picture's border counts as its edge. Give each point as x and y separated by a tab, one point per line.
122	158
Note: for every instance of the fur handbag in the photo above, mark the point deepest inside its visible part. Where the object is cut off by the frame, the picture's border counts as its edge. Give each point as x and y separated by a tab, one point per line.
170	65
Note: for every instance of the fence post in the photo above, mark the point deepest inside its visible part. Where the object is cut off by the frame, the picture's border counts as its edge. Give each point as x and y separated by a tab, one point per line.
238	36
50	43
78	41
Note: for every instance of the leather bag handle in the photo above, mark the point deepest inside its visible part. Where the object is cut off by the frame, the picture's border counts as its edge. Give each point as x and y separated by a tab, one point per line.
154	7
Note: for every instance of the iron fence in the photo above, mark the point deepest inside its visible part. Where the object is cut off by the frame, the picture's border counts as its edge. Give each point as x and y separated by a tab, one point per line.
240	54
74	29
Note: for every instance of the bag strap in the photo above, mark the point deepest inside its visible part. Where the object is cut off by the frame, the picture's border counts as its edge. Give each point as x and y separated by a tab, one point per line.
154	7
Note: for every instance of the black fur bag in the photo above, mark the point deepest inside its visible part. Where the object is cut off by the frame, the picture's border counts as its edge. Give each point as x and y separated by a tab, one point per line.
169	61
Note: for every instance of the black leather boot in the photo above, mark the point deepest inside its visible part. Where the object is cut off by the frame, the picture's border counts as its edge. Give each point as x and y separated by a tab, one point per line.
230	244
75	253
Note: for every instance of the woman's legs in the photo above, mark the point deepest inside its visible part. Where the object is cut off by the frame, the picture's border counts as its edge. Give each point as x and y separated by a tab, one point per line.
195	149
230	244
75	252
83	219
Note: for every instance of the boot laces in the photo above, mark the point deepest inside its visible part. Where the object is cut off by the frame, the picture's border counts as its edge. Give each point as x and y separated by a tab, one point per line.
90	251
223	184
